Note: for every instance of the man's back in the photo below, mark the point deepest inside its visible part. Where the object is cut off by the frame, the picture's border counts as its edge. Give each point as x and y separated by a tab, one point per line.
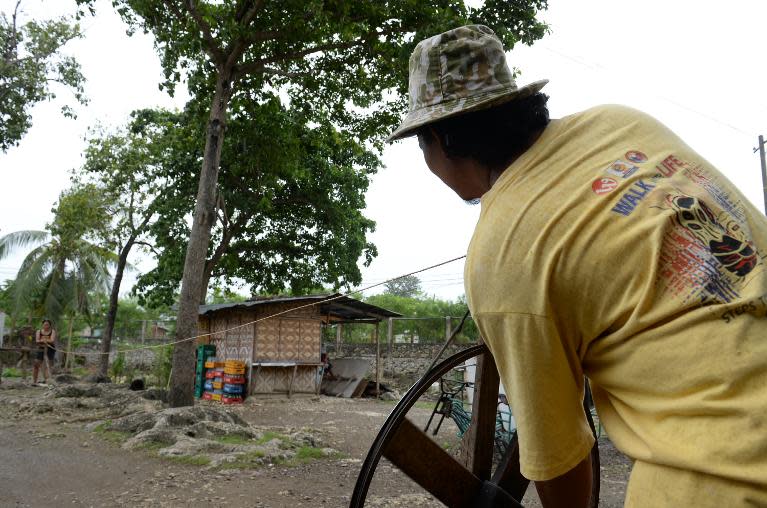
611	249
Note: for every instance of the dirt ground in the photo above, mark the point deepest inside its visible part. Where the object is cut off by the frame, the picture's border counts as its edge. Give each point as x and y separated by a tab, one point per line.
48	458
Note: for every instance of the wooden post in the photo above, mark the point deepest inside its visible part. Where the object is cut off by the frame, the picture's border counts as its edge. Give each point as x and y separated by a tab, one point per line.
143	331
448	328
475	454
378	361
339	330
68	363
390	333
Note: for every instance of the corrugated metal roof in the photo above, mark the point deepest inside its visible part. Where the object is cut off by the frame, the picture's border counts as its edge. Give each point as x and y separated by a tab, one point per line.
338	306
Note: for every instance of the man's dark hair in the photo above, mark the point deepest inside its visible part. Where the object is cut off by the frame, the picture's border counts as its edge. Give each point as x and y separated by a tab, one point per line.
491	136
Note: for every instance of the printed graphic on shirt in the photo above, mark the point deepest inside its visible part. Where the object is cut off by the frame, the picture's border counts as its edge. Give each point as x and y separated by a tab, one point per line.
604	185
706	256
621	169
670	167
730	247
688	270
631	198
636	156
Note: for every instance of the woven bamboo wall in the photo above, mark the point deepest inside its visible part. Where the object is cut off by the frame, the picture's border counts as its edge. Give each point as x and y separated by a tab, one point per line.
291	337
232	340
294	336
277	380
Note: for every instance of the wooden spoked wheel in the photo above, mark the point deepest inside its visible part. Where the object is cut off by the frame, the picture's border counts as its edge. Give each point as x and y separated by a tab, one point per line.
466	481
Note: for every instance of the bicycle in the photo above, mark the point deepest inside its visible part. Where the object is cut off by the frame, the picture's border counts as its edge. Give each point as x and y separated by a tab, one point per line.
450	405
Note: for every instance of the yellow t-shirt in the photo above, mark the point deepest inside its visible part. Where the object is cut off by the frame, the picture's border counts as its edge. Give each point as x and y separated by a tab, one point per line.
611	249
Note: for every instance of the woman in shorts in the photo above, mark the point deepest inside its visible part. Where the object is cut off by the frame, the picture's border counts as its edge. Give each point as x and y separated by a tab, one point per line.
45	338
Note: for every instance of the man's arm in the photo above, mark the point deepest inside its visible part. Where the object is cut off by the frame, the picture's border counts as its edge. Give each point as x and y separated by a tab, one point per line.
570	490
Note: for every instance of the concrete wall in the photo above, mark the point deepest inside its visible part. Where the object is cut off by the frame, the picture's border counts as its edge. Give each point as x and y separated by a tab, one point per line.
401	368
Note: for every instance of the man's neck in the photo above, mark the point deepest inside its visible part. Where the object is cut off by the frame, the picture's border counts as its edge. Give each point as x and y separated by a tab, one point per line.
495	173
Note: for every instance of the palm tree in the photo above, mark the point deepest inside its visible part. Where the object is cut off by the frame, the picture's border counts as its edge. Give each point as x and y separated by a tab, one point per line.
59	274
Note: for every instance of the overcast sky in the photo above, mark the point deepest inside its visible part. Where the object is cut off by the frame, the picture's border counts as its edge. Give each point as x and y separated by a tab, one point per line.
699	67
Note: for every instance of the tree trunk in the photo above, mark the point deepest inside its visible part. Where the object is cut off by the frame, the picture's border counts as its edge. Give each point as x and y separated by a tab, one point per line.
106	336
182	375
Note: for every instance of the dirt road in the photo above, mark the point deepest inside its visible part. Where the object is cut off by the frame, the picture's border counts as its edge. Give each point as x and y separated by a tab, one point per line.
47	458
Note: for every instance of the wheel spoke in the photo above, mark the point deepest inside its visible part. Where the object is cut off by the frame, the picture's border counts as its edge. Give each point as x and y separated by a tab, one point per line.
507	474
431	467
476	455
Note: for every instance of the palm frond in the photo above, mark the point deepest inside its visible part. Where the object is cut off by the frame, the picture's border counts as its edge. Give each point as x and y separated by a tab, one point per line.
21	239
29	281
57	297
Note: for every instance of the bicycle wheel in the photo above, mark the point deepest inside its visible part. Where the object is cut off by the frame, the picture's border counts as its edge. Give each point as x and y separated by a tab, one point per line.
467	483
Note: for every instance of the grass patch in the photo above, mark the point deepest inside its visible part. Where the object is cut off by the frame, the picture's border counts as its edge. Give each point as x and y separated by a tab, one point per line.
11	372
114	436
235	439
103	427
191	460
248	460
152	447
309	453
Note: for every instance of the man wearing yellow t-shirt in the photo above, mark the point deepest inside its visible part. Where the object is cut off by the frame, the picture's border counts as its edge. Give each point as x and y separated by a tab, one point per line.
605	248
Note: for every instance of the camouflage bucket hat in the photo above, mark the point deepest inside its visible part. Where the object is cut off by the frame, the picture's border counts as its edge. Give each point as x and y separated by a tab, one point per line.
456	72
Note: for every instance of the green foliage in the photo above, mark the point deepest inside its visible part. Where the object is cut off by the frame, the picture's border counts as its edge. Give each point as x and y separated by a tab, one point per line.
232	439
224	295
162	365
118	366
10	372
290	199
292	178
133	318
408	286
103	427
30	62
430	328
64	272
350	58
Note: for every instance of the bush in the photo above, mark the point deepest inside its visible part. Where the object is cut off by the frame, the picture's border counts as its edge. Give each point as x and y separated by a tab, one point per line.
118	366
162	365
11	372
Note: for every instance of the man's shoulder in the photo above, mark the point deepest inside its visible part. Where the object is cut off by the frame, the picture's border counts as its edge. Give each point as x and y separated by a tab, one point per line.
617	112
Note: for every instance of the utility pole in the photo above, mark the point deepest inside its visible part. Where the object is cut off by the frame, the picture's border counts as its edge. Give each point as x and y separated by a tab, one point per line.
764	170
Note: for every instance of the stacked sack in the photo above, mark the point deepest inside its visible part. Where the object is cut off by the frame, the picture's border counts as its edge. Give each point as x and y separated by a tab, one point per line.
214	379
233	382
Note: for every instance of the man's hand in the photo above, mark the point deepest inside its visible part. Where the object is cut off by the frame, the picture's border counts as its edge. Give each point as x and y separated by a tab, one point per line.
571	490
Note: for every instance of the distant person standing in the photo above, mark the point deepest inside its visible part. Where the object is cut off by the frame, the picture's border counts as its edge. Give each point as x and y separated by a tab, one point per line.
45	339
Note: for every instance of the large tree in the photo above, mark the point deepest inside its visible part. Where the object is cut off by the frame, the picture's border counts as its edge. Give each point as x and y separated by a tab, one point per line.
30	62
341	63
289	207
129	167
408	286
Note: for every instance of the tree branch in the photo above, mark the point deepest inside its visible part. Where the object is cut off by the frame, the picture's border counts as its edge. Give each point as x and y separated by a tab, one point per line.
277	72
211	47
148	246
259	65
238	47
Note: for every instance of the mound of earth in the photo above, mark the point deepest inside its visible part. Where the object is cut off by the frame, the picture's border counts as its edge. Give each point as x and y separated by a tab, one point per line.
206	435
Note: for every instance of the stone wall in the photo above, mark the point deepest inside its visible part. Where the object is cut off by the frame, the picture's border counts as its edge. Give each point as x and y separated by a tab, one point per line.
400	368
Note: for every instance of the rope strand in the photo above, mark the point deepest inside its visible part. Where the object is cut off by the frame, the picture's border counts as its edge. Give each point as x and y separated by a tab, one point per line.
142	348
